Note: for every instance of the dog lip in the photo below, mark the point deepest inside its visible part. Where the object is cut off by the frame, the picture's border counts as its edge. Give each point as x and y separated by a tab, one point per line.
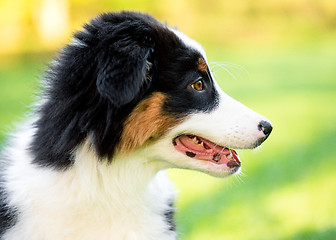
200	148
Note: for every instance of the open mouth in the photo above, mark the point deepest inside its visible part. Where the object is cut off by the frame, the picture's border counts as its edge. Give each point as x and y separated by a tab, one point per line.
202	149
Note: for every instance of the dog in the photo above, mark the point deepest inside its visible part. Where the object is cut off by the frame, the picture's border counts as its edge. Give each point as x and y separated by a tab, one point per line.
126	99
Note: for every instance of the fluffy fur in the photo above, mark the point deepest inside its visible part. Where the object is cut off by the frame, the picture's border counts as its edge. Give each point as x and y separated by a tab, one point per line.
128	98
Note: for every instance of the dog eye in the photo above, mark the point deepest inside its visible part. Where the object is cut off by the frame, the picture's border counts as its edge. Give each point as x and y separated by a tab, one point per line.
198	86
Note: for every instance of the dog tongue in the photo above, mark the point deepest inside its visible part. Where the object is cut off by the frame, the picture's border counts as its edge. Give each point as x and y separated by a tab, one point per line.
203	149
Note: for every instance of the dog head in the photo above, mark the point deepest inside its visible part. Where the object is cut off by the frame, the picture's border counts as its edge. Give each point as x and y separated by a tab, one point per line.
131	85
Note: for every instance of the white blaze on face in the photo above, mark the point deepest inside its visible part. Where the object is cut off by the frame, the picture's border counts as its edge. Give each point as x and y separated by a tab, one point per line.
189	42
230	124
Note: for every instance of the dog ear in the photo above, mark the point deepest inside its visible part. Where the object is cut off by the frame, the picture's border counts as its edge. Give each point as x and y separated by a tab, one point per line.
123	69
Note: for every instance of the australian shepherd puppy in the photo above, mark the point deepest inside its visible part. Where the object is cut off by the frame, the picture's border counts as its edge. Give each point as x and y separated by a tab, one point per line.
127	98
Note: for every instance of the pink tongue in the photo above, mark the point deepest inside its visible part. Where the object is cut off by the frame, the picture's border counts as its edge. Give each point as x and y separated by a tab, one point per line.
205	150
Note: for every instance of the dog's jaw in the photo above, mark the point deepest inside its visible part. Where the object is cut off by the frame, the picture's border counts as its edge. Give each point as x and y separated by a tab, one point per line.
230	125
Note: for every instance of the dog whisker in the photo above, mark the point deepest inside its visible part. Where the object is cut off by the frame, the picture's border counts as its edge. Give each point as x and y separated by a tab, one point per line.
215	66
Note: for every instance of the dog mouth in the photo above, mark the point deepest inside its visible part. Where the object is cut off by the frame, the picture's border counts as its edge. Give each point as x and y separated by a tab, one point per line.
202	149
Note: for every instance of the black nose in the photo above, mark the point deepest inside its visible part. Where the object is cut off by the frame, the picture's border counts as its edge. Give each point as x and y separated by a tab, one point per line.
266	127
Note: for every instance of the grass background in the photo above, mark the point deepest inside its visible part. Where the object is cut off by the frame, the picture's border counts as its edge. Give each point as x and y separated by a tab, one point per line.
288	188
277	58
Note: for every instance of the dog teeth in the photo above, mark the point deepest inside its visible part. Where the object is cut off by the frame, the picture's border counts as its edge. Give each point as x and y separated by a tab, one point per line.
196	140
230	156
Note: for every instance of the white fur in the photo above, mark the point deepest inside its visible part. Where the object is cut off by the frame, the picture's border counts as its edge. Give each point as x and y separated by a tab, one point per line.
92	200
78	43
189	42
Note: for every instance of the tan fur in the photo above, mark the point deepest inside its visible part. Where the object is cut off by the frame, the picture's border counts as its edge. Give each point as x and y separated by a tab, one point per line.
202	66
147	120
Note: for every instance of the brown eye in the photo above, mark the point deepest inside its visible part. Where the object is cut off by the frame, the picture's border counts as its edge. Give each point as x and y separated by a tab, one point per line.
198	86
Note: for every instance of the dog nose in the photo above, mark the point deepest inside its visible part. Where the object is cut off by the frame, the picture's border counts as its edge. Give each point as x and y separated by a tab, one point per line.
266	127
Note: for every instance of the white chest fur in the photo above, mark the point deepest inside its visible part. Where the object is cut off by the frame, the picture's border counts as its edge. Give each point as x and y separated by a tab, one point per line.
126	199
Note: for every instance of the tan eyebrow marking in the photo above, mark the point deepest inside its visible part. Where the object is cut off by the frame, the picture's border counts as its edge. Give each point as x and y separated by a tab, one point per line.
201	65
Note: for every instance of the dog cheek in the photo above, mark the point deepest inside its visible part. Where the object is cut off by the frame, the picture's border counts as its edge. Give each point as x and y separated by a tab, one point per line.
146	121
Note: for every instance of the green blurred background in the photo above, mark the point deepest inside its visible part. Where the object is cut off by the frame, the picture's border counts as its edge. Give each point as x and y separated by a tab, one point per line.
277	57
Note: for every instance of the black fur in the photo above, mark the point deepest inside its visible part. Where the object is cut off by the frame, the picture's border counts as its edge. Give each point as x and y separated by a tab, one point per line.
169	215
93	87
8	214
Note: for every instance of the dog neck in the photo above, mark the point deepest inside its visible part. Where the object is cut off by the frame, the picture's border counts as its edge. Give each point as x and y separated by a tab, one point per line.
119	178
126	198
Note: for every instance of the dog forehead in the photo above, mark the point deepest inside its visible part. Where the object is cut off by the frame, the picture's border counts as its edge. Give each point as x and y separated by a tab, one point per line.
190	43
